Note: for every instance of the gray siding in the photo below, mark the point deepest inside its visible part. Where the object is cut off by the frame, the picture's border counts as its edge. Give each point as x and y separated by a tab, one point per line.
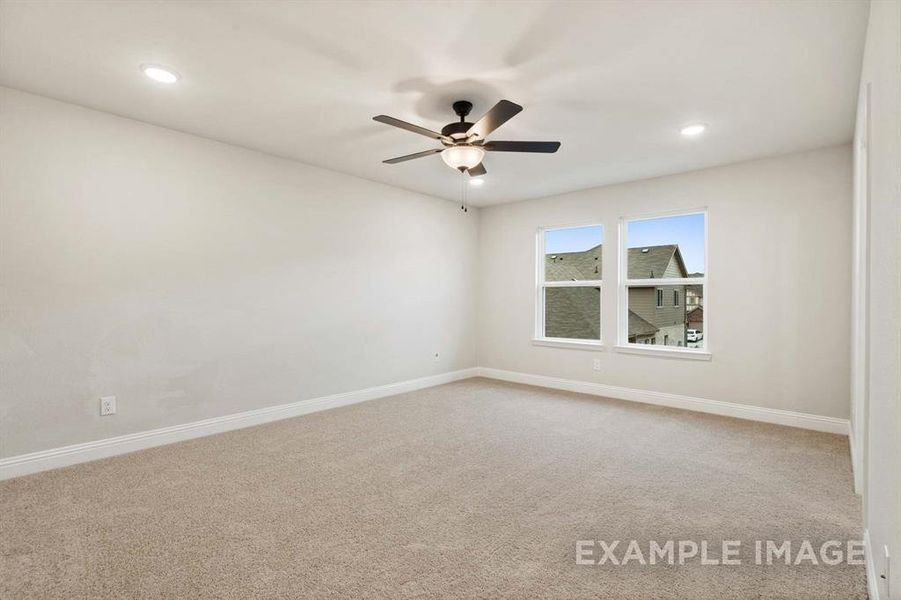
643	301
673	270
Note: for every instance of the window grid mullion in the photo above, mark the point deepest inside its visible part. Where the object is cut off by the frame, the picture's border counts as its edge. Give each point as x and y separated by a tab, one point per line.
665	281
579	283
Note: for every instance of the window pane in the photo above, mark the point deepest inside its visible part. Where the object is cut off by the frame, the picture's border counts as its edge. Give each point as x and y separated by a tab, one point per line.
572	312
667	324
573	254
666	247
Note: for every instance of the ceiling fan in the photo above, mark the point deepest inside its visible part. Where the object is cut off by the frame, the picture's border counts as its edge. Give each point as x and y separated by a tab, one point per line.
464	143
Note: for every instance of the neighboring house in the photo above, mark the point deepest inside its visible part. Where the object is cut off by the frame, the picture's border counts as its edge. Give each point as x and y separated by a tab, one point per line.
695	319
661	306
656	313
694	294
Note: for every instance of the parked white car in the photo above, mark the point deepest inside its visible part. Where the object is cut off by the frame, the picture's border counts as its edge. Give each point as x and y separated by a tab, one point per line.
694	335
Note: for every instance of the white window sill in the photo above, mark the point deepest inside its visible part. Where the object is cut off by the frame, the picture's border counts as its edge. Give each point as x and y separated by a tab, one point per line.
592	345
650	350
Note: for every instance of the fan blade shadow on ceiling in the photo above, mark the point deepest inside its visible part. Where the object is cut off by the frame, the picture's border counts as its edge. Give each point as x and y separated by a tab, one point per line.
434	100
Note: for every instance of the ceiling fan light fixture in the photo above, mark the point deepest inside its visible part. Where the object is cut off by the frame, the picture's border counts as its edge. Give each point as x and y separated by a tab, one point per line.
462	156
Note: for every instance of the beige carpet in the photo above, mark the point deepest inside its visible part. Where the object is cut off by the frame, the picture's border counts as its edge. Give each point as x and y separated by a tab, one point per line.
472	489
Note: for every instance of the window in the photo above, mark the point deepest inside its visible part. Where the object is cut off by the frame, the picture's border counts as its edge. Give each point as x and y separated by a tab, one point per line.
569	284
663	257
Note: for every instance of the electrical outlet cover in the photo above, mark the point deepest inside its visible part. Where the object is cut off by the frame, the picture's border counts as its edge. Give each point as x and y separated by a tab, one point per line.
107	405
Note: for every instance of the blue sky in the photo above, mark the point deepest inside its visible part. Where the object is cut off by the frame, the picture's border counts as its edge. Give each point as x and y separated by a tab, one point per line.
685	230
576	239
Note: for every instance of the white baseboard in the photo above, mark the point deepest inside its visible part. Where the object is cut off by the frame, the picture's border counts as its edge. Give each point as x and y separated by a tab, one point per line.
44	460
25	464
716	407
872	581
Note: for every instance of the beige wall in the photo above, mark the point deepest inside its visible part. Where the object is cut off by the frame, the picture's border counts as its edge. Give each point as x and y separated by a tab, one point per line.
194	279
777	304
877	387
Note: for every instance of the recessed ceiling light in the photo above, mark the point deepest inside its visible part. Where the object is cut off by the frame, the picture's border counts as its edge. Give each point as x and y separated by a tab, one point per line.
476	181
161	74
694	130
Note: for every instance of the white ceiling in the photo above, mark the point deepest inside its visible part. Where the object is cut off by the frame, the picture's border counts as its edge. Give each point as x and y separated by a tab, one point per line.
613	81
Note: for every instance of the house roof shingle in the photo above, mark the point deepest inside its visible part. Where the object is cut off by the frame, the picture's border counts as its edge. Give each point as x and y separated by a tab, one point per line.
573	266
648	262
572	312
639	326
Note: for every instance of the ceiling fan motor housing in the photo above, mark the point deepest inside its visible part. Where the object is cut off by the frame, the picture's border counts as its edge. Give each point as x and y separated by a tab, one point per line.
462	108
456	130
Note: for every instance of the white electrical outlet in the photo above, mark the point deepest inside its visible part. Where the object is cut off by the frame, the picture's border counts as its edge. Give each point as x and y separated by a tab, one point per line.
596	364
107	405
437	357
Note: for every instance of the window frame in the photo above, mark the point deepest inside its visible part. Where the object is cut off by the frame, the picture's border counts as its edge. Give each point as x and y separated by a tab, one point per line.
539	339
624	283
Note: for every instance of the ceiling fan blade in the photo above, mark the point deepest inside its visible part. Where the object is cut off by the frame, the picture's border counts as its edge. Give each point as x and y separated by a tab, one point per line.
499	114
548	147
411	127
477	171
392	161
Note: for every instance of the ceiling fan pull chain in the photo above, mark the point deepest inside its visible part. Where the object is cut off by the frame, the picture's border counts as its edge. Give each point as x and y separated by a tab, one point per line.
463	188
462	191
